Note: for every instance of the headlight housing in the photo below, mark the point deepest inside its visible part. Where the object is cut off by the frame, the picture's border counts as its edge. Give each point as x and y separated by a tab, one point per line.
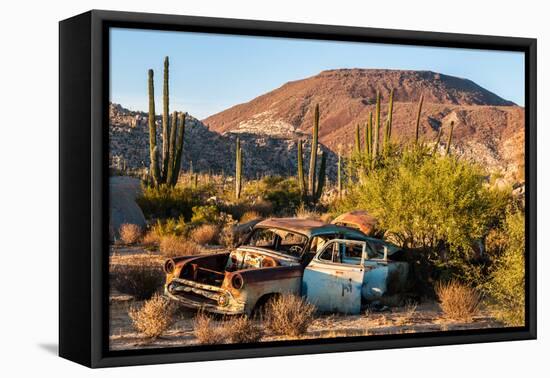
169	266
237	281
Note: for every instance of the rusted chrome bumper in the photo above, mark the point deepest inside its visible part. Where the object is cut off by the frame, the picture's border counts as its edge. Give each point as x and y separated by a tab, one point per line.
204	297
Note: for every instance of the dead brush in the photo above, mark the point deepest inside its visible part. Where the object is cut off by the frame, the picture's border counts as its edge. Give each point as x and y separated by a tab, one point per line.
129	233
206	331
250	216
141	279
241	330
154	317
407	315
238	330
173	246
458	301
205	234
288	315
303	212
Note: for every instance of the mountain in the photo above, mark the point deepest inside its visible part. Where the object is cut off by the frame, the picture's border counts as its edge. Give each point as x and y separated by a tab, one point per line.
488	128
205	150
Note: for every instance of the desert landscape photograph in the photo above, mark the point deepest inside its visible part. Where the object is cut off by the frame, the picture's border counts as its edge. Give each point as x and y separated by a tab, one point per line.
266	189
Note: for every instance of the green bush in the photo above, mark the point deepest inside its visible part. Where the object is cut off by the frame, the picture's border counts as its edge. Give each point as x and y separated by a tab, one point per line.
205	214
283	193
506	286
166	201
422	200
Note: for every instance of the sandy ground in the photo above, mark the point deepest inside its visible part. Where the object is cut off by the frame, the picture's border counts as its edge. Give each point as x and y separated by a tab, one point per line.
423	317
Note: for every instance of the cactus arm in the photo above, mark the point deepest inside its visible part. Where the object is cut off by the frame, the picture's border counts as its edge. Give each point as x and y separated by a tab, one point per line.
179	148
301	177
418	114
450	139
165	124
153	150
321	177
313	155
172	149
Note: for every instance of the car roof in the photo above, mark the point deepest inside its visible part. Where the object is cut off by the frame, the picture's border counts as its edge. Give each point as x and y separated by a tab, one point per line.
308	227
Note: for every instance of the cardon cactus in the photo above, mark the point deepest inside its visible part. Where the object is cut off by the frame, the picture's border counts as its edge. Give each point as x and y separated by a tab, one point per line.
313	154
418	114
165	171
450	139
153	150
301	177
238	169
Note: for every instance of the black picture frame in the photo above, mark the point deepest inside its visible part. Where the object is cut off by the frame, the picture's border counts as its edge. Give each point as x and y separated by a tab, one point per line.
83	181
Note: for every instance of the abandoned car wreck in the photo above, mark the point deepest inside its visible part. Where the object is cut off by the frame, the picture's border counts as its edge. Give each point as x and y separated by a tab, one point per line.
337	268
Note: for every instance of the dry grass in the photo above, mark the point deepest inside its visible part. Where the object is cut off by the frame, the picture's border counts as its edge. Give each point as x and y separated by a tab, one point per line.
250	216
304	213
407	315
234	330
289	315
205	234
458	301
130	233
173	246
141	279
228	237
326	217
154	317
151	238
206	331
241	330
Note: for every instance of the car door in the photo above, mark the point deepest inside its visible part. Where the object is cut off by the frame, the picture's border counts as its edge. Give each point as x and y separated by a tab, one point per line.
333	279
382	276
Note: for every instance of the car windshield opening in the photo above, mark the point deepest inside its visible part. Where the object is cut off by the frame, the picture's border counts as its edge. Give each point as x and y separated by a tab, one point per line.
277	240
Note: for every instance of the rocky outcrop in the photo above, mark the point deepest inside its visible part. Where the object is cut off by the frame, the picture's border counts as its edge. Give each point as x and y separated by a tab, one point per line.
123	192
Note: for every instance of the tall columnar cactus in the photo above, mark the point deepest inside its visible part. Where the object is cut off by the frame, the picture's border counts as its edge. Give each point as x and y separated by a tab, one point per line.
165	171
313	154
376	131
450	139
153	150
165	123
313	189
369	137
388	124
390	115
339	184
301	177
437	140
321	178
238	169
176	165
357	140
418	114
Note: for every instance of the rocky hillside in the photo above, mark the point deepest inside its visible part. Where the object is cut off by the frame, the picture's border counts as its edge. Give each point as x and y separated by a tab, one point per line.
488	128
205	150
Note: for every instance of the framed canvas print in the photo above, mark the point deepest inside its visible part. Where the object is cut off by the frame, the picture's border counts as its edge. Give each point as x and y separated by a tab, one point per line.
234	188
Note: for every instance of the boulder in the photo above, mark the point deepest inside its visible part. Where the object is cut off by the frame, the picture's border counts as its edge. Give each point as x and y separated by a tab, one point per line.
123	208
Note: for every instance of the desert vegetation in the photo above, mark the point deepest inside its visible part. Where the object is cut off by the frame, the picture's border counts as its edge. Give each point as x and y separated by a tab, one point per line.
464	234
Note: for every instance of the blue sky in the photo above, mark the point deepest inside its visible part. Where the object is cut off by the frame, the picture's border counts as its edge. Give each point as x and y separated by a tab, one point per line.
211	72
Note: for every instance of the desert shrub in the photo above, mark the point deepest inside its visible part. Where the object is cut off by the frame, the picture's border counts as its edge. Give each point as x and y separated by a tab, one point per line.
241	330
154	317
304	212
206	331
506	286
140	280
173	246
228	236
458	301
288	315
205	234
205	214
279	194
232	330
130	233
422	199
249	216
166	201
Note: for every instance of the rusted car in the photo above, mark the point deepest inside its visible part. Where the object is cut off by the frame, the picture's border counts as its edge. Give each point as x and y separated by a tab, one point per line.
336	268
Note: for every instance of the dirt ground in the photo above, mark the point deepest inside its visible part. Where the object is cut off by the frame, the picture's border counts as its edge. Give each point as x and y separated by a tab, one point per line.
423	317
